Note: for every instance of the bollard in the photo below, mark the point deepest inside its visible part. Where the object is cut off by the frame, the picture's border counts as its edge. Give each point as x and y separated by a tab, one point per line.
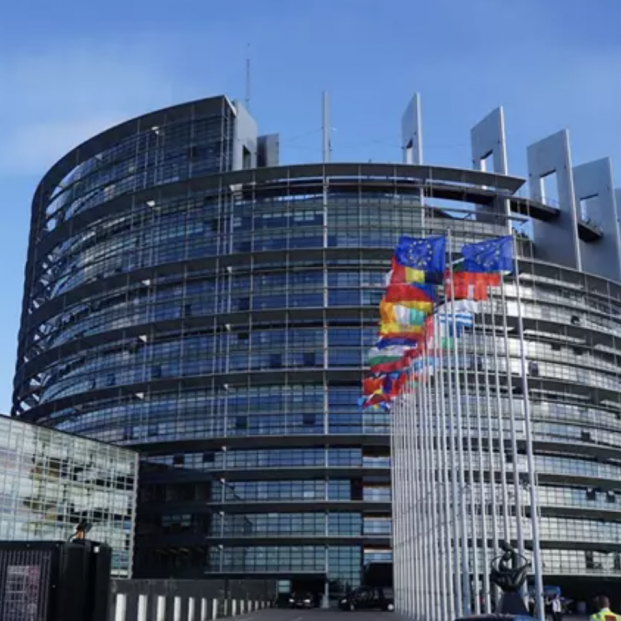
191	609
256	605
250	606
204	609
177	609
242	606
233	608
142	608
160	614
225	607
121	607
214	608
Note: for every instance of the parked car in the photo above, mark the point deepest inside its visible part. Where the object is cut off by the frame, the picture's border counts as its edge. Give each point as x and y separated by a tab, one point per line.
301	600
368	598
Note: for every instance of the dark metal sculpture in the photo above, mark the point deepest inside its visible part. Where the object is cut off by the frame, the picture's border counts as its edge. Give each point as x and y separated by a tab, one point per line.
509	572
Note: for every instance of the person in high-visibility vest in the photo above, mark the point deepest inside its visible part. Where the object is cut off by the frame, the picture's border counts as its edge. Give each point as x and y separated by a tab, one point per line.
604	614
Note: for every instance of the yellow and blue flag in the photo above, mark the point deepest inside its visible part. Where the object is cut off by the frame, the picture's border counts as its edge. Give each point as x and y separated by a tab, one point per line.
426	255
492	255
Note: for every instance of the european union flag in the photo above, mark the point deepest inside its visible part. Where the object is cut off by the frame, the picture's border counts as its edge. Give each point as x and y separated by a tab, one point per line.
492	255
427	254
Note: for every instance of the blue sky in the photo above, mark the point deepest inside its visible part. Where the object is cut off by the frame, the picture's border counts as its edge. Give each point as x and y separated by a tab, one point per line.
69	69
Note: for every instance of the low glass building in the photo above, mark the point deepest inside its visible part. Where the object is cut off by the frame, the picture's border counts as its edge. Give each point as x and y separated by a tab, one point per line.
50	481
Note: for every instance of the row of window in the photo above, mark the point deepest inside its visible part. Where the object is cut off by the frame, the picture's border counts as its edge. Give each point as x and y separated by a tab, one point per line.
185	366
274	458
290	349
149	157
341	561
253	491
205	215
280	524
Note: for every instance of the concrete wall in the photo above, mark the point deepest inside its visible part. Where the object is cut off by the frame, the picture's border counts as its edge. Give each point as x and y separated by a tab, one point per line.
245	139
487	138
557	240
593	181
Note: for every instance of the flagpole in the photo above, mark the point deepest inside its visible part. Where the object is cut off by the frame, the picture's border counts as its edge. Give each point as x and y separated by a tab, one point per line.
395	507
427	487
469	489
433	470
406	518
395	456
490	451
418	500
410	526
421	503
404	521
424	422
447	558
439	469
501	436
433	539
517	492
530	459
415	505
429	598
465	604
482	490
436	481
457	552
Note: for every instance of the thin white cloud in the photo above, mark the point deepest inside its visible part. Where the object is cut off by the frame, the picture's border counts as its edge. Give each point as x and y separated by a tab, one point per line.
52	102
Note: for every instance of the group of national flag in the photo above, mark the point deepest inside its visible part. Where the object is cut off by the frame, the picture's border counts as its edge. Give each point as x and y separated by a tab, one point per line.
419	285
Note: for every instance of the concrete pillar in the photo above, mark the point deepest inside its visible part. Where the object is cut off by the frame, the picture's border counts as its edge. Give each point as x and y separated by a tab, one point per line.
121	607
142	607
160	614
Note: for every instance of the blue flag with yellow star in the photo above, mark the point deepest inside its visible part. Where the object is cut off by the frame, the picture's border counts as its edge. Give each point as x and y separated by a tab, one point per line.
426	254
491	255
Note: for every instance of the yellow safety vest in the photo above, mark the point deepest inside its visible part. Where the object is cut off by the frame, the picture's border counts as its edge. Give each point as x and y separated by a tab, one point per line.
605	615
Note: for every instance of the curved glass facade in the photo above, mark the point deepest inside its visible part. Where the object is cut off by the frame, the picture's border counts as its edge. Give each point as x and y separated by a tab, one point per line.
219	320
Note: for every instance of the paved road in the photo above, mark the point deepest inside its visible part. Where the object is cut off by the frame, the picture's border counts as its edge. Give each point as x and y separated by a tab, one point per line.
276	614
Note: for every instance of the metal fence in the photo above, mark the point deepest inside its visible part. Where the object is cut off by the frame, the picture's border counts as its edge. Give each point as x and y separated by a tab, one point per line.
187	600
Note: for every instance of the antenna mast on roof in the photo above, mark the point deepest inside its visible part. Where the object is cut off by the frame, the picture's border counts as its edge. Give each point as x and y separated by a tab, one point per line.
327	144
248	76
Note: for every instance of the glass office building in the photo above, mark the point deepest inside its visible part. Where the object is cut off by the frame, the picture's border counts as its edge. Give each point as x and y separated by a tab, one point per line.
51	481
188	297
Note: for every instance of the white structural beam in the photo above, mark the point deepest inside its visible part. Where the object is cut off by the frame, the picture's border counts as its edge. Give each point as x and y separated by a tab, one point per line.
412	132
557	240
593	184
